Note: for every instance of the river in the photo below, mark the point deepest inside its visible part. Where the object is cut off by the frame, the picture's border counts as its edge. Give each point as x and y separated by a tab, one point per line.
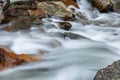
66	58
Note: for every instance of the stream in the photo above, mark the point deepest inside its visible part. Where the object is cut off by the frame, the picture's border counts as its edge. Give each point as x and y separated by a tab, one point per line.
66	58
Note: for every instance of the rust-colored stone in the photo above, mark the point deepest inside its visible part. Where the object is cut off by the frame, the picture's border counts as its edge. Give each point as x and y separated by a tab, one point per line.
10	59
70	2
28	58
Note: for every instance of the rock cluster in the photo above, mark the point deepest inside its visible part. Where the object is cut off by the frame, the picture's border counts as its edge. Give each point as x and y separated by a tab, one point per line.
19	15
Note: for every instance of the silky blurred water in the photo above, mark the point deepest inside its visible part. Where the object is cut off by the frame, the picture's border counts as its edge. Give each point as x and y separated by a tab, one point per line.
66	58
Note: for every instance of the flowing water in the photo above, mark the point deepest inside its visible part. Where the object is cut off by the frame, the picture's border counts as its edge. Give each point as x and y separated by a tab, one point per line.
66	58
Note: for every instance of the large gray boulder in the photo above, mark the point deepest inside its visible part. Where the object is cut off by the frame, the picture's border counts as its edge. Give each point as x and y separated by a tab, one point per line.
111	72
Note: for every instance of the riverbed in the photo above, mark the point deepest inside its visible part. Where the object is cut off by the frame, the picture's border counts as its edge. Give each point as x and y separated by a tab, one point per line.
63	57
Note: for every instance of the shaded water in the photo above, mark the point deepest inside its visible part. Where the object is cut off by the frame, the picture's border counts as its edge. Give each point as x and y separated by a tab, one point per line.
65	58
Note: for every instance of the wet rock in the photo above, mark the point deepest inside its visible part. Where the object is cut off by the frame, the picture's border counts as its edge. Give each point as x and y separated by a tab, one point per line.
70	2
56	8
71	35
20	8
81	16
18	24
64	25
28	58
2	16
102	5
24	5
111	72
10	59
93	22
116	4
66	2
37	13
3	7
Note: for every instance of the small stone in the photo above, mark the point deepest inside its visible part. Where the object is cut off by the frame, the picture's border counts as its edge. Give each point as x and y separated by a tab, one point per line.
64	25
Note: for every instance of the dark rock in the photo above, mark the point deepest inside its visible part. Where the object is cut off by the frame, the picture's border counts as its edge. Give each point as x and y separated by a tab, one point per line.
71	35
111	72
18	24
102	5
64	25
3	7
81	16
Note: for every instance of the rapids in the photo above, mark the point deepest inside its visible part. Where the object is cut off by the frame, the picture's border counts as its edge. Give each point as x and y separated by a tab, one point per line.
65	58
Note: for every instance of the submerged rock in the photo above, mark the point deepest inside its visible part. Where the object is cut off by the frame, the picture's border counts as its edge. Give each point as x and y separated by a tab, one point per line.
71	35
111	72
102	5
10	59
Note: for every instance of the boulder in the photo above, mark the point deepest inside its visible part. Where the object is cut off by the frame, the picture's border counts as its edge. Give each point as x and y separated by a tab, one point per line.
111	72
102	5
10	59
56	8
66	2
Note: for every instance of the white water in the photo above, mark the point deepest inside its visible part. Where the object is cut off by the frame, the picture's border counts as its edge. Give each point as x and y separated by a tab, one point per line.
65	58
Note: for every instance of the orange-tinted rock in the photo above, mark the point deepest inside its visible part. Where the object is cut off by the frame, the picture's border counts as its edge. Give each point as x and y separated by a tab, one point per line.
28	58
10	59
70	2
